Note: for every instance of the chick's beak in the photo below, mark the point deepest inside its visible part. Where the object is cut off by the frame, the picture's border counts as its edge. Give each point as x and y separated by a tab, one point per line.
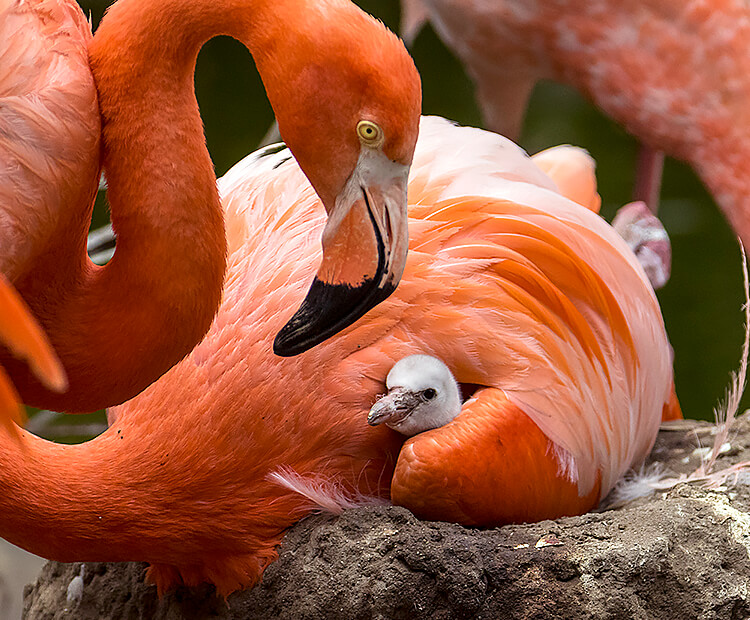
365	243
393	408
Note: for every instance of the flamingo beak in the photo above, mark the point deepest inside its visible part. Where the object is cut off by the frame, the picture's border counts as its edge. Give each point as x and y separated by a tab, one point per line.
365	243
394	407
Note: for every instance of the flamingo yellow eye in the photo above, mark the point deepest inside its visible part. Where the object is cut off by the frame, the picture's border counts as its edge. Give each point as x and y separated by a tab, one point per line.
370	134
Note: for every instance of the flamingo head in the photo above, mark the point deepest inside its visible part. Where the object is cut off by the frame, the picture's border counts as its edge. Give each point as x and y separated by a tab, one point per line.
422	395
348	108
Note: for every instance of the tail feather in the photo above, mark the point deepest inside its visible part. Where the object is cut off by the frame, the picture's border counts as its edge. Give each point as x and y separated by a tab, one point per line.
672	409
324	495
20	333
25	339
572	170
11	409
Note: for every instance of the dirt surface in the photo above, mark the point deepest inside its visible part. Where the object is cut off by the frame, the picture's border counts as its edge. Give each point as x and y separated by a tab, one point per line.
680	554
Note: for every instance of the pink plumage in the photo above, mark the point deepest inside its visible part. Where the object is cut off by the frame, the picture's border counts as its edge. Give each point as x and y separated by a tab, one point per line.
49	129
672	72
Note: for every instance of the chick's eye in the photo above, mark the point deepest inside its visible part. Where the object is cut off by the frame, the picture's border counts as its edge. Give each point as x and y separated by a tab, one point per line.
370	134
428	394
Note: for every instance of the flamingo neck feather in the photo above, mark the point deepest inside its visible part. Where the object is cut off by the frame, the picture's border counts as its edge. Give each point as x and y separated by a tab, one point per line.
164	282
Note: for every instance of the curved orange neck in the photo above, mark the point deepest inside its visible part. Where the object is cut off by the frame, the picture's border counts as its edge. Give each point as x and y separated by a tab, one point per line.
118	328
113	497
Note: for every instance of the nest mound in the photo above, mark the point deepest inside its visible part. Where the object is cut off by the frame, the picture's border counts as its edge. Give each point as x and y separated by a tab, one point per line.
681	553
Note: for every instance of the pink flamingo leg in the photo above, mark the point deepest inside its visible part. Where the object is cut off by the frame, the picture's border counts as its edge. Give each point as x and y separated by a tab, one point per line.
649	169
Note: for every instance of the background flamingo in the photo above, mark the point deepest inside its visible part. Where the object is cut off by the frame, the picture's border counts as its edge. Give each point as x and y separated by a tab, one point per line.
182	478
161	182
668	70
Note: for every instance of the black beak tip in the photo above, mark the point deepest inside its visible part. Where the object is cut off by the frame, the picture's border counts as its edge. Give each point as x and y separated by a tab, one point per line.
326	310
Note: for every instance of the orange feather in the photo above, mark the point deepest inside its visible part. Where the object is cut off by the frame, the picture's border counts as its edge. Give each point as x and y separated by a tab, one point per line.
25	340
568	348
513	479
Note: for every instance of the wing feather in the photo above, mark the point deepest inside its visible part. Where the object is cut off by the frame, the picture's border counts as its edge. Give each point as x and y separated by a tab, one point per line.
514	286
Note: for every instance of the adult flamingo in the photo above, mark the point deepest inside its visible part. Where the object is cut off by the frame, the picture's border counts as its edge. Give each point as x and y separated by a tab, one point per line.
118	328
518	289
672	72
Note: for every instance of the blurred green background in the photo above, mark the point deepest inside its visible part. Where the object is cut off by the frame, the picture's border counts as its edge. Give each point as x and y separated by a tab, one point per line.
702	302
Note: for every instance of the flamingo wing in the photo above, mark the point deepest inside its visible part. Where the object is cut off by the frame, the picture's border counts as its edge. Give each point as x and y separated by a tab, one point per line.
533	295
513	477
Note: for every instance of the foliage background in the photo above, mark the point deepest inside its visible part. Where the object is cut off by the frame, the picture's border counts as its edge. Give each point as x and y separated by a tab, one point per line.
701	304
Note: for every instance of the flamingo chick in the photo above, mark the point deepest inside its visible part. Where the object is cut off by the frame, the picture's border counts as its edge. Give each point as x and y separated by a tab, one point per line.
422	395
